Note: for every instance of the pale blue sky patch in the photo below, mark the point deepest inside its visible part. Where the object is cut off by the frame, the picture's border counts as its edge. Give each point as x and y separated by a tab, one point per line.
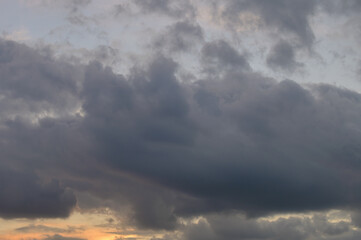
129	30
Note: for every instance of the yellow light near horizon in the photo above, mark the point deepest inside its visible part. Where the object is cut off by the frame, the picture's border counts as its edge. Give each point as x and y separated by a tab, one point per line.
90	234
90	226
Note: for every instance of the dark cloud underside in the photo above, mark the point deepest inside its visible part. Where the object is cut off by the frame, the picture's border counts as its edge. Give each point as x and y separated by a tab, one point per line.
170	125
23	195
237	141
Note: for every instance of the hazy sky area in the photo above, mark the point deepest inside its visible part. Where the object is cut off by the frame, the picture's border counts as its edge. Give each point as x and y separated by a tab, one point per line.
180	120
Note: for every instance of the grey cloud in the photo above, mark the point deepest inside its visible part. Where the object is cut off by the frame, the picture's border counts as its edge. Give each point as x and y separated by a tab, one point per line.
32	85
42	86
218	227
120	9
263	116
289	17
353	236
73	8
321	223
342	7
71	5
179	9
154	212
43	69
235	226
180	37
282	57
348	9
201	231
167	237
74	5
220	56
356	218
80	19
24	195
44	228
238	141
107	55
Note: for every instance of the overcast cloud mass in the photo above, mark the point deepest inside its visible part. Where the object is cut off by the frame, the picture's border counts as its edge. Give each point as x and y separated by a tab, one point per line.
184	120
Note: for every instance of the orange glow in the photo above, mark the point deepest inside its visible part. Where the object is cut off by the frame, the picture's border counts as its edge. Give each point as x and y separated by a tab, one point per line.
90	234
90	226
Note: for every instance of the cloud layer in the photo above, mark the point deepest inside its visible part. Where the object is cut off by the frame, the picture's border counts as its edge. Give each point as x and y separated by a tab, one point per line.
192	140
238	141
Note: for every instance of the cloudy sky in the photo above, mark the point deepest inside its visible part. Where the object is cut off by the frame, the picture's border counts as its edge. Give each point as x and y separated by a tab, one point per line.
180	119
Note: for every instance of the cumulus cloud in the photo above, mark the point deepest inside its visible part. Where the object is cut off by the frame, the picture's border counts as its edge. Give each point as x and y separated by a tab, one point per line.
179	134
236	141
43	86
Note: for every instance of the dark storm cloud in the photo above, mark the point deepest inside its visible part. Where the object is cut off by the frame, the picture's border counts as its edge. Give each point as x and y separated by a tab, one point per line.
290	17
42	85
24	195
31	84
180	37
282	57
264	140
280	139
170	149
153	211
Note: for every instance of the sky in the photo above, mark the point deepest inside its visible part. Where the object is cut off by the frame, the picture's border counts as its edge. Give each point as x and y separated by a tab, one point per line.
180	120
